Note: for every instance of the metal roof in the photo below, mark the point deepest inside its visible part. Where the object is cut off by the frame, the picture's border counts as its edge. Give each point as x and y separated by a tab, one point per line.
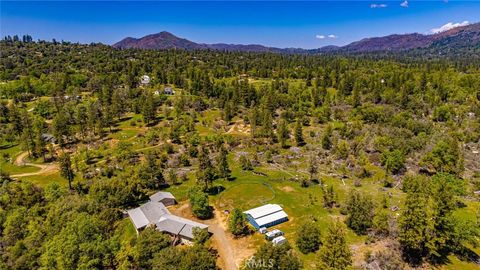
271	218
138	217
161	195
148	213
263	210
178	225
155	212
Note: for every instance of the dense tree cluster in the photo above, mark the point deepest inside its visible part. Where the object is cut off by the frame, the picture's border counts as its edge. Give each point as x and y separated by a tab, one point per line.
412	118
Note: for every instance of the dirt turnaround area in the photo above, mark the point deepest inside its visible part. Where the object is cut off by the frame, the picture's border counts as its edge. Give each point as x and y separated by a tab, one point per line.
232	251
44	168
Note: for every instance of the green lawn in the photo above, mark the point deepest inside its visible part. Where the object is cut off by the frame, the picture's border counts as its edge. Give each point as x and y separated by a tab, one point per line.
7	166
45	179
14	169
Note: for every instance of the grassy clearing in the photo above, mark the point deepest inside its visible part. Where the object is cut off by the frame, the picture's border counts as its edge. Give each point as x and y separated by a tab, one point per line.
45	179
7	165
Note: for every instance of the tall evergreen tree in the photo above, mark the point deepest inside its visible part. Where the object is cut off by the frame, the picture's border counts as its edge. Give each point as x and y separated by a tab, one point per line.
360	209
299	133
282	133
206	172
66	168
222	163
335	253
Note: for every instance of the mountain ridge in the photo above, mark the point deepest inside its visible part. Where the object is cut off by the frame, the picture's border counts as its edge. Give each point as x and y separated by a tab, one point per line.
463	36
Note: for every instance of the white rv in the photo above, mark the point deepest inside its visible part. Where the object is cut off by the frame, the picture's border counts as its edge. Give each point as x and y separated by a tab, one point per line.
279	240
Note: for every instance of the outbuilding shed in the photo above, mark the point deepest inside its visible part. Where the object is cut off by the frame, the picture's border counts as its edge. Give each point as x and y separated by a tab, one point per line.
266	216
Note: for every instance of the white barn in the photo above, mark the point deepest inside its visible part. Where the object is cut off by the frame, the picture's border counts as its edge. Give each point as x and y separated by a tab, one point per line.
266	216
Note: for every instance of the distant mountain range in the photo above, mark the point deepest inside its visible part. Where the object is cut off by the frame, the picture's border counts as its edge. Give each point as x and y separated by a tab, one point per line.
456	38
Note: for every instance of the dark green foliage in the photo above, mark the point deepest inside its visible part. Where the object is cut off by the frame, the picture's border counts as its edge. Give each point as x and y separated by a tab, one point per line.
222	163
442	113
298	133
149	243
329	197
360	210
394	161
245	163
206	172
444	157
335	253
78	245
326	138
269	256
66	169
151	172
357	106
200	236
196	258
308	237
237	222
199	203
282	133
428	227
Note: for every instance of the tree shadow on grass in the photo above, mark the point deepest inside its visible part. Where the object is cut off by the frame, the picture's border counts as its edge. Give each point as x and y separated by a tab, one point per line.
215	190
466	254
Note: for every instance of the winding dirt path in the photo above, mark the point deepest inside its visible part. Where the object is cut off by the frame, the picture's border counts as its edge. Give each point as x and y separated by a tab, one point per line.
222	241
44	168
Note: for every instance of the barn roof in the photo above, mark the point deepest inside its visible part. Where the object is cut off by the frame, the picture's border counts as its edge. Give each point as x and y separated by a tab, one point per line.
157	197
264	210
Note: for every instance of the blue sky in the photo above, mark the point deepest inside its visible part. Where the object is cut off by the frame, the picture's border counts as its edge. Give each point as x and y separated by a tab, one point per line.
279	24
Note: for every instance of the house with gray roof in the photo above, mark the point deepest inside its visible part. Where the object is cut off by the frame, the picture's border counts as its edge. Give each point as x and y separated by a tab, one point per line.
164	197
178	226
155	213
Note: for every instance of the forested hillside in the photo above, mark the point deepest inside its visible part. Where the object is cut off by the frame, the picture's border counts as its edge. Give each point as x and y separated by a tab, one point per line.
375	159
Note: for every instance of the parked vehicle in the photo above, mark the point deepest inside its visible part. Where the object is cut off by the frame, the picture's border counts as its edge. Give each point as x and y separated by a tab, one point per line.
262	230
272	234
279	240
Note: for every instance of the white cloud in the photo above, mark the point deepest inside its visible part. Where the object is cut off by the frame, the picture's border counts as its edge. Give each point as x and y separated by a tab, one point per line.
404	4
324	36
378	6
448	26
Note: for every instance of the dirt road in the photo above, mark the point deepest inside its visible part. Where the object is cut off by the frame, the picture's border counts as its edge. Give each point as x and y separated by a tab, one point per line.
222	241
44	168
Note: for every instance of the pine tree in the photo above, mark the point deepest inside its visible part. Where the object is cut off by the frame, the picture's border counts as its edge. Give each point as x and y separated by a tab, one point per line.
222	163
326	138
312	167
206	172
416	222
329	197
237	222
149	108
308	237
360	209
66	170
335	253
282	133
267	125
299	133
